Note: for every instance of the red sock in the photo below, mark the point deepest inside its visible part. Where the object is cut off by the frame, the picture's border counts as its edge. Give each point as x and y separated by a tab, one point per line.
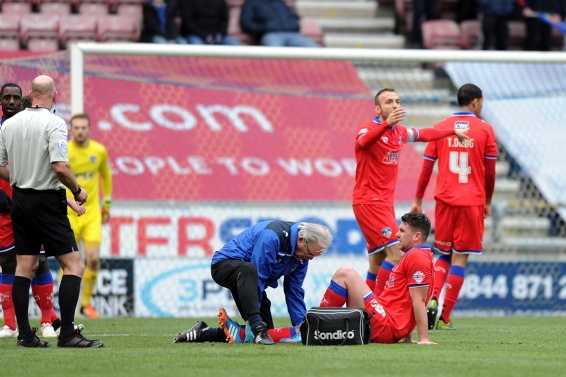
335	296
382	277
281	333
370	280
43	295
54	315
441	269
453	286
8	306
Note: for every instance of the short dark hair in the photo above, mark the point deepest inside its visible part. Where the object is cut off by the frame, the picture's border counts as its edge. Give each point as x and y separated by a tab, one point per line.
10	85
376	100
418	221
26	102
467	93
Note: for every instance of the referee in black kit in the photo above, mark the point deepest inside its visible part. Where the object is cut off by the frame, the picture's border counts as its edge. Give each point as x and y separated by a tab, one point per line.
34	142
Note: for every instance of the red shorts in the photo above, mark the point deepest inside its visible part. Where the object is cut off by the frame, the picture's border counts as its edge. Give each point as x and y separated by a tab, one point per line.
6	232
378	225
458	229
381	327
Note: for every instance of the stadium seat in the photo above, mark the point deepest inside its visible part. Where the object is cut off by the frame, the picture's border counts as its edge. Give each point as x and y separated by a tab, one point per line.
134	11
234	29
77	27
41	44
235	3
56	7
9	44
471	34
312	30
16	8
93	9
441	34
517	34
9	25
9	32
40	32
115	27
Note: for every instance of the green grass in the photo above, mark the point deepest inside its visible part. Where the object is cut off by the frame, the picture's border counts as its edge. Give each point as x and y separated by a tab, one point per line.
134	347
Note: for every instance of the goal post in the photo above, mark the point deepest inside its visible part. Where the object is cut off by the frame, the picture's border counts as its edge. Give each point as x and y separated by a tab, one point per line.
78	50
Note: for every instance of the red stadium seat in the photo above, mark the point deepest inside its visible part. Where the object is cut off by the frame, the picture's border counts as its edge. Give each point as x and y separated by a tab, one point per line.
312	30
234	29
77	27
517	35
134	11
9	26
16	8
115	27
9	32
441	34
59	8
40	31
235	3
471	34
93	9
9	44
41	44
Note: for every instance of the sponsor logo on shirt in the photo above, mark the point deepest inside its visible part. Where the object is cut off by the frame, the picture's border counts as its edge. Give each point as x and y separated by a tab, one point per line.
418	277
460	125
391	158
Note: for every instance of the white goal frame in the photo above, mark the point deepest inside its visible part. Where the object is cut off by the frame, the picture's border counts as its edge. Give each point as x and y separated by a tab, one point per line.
78	50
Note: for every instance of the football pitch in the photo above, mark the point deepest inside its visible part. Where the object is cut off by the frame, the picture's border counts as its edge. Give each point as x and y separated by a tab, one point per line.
133	347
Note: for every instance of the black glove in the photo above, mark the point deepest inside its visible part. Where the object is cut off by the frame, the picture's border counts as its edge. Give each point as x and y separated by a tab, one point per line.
5	202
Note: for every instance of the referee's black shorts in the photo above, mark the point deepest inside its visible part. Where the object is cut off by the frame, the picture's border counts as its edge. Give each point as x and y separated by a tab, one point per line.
40	218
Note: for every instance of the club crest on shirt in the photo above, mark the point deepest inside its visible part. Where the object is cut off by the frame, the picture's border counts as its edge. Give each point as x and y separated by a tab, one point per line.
92	159
460	125
63	146
386	232
385	139
418	277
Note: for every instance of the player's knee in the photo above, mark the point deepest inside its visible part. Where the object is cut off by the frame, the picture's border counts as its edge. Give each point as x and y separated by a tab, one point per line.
344	273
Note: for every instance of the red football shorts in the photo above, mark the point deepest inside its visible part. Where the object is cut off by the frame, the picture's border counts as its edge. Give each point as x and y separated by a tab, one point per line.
458	229
381	327
378	225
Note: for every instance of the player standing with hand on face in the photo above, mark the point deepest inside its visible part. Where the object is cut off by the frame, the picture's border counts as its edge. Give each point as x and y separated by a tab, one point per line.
89	161
465	185
378	147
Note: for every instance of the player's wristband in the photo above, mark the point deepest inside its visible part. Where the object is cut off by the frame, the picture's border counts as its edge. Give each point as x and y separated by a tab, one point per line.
75	194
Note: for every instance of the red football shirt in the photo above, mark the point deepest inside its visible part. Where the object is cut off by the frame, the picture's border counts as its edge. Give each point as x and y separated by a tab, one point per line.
6	231
377	165
414	270
461	166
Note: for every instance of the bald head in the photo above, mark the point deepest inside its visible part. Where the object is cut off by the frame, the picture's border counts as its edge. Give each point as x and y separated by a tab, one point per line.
43	91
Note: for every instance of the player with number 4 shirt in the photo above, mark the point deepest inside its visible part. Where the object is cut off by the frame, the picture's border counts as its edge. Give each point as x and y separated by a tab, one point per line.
464	188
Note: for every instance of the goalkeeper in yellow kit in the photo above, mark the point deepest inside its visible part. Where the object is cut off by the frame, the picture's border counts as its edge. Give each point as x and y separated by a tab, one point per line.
89	161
